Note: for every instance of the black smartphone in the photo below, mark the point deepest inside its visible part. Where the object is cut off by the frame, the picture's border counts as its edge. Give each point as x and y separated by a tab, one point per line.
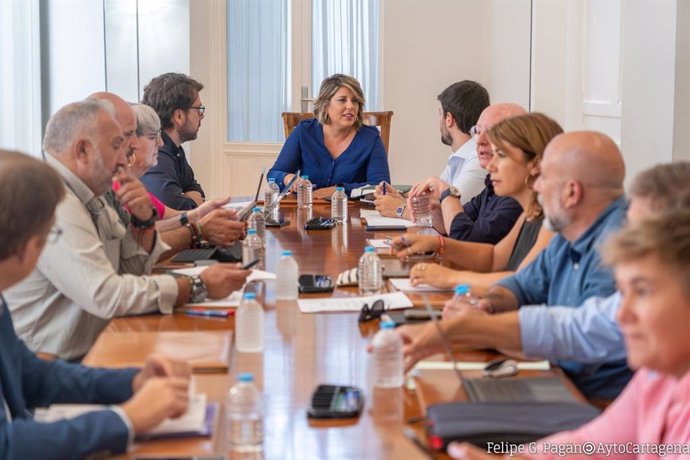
315	283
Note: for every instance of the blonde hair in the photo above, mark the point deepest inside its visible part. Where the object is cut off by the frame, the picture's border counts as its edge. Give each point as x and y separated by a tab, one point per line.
329	87
665	235
530	133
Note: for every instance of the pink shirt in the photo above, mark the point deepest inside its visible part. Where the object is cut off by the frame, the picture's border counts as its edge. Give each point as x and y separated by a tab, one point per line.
653	409
160	207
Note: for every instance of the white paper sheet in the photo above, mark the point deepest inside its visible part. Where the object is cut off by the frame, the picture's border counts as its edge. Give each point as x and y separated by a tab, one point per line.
478	366
253	276
380	243
392	301
404	284
369	213
389	222
237	205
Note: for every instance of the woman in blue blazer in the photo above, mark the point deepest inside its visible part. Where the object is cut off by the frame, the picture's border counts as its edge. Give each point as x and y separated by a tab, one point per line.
335	147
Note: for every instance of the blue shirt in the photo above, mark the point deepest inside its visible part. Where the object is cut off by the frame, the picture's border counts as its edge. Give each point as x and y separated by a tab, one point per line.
587	334
363	161
172	177
567	274
487	217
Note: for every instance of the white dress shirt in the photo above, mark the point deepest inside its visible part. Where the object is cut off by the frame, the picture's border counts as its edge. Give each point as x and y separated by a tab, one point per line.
463	171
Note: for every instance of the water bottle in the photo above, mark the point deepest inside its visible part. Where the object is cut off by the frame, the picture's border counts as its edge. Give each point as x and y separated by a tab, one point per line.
304	193
339	205
421	210
370	272
257	222
464	294
388	367
252	249
245	415
271	192
286	277
249	325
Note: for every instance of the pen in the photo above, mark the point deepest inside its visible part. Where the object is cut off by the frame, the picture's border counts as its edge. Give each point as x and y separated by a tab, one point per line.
383	186
249	265
209	313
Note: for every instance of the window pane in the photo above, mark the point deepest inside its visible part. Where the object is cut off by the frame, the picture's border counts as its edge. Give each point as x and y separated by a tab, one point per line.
258	69
345	39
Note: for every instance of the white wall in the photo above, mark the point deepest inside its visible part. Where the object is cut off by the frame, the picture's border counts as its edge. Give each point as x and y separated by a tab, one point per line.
428	45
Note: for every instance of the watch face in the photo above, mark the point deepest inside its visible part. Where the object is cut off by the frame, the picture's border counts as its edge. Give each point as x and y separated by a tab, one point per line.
399	211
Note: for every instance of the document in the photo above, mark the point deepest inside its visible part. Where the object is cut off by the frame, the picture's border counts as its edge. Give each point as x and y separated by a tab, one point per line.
379	243
479	366
237	205
197	421
369	213
392	301
404	284
388	222
253	276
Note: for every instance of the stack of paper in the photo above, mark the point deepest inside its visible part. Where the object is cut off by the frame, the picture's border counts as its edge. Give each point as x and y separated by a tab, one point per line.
388	223
392	301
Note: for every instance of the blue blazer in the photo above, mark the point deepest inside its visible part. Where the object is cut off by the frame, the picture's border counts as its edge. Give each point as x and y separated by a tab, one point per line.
363	161
27	382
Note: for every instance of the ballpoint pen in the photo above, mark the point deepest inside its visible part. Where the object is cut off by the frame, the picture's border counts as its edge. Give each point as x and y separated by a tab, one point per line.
383	187
209	313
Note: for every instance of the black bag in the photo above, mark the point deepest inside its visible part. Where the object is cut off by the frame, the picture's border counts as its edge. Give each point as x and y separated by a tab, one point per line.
511	422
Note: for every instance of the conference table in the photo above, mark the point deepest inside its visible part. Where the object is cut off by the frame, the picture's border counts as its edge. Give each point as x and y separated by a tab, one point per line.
302	351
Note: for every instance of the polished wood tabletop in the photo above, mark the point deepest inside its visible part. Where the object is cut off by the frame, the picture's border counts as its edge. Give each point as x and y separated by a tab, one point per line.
302	351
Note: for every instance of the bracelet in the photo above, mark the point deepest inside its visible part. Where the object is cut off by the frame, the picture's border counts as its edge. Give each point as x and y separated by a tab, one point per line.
441	245
201	230
144	224
196	239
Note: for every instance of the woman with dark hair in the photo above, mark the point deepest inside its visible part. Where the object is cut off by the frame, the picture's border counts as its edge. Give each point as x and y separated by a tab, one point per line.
335	147
518	145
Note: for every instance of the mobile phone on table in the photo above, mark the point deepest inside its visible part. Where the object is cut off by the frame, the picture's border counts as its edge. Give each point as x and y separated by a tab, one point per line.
315	283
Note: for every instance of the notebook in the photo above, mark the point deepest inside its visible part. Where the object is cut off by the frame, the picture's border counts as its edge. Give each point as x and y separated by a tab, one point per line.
206	351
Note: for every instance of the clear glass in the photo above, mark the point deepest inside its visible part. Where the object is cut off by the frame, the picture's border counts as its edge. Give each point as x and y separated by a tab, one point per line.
421	210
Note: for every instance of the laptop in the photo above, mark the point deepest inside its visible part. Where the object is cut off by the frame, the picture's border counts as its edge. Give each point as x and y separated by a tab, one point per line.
530	389
244	213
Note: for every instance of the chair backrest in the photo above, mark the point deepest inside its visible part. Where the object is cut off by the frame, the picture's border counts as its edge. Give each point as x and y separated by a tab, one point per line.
382	120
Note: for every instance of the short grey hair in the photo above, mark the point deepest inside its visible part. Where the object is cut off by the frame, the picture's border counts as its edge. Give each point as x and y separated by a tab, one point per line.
147	119
71	121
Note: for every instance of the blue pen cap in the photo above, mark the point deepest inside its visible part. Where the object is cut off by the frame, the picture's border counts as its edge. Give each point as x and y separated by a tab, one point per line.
286	253
245	377
462	289
249	295
369	249
387	325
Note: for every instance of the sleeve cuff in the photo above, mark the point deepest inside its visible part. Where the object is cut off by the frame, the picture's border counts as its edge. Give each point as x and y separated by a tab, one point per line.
130	430
168	288
533	322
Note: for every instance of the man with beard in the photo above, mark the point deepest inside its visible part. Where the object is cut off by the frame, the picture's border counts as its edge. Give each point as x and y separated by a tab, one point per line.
175	97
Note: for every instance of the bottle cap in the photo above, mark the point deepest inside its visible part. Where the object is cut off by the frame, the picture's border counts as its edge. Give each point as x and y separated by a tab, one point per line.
256	209
251	231
245	377
369	249
387	325
462	289
305	177
340	189
249	295
271	179
286	253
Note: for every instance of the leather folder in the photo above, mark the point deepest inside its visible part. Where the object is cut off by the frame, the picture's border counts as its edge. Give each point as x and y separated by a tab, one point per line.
206	351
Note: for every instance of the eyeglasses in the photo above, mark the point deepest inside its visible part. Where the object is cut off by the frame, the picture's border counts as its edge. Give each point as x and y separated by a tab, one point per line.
54	234
200	108
377	309
476	131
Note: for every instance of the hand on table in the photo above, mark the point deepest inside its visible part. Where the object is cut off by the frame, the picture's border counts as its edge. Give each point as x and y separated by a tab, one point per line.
412	243
221	227
157	365
433	275
221	280
388	204
157	399
322	193
433	186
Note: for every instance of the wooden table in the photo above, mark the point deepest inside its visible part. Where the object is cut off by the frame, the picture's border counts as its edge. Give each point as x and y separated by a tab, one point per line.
304	350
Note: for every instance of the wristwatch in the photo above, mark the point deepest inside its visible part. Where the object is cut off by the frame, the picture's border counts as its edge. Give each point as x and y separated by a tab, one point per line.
144	224
450	191
400	210
198	290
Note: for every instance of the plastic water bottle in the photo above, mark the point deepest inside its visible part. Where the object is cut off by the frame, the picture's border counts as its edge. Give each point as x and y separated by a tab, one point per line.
463	293
304	193
271	192
252	249
257	222
249	325
388	367
339	205
421	210
370	272
245	415
286	275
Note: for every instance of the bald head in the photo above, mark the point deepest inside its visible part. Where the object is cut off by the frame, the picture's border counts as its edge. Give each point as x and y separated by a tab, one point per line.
588	157
489	117
124	115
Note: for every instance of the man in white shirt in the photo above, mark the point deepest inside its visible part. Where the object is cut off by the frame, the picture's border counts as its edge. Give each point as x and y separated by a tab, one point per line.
460	106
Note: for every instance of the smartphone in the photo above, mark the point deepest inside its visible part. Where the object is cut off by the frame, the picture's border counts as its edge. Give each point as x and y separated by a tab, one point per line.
315	283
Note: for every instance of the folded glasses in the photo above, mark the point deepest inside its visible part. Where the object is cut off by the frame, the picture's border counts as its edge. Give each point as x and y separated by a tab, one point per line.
377	309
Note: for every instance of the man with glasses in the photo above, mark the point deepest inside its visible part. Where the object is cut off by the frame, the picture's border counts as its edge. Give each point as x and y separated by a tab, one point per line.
175	97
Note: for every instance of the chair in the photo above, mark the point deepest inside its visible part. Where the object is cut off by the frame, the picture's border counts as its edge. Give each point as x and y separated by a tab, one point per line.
381	120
